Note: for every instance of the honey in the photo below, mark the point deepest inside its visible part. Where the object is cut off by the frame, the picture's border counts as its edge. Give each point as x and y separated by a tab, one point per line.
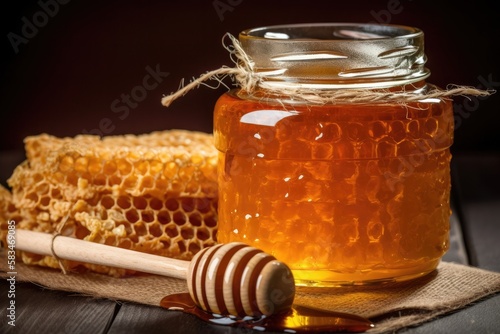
337	192
343	192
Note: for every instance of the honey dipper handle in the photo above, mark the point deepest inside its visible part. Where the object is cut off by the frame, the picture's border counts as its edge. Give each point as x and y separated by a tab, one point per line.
90	252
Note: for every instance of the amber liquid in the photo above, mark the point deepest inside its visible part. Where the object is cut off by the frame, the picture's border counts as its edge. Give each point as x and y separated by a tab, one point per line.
343	194
299	319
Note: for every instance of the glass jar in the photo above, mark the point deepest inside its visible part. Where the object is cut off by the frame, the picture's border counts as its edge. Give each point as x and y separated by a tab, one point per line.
344	190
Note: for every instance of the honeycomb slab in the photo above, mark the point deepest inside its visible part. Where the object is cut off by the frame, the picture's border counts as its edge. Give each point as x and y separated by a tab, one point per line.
154	193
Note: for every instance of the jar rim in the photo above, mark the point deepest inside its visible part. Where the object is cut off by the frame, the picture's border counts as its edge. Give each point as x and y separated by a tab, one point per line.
336	55
341	31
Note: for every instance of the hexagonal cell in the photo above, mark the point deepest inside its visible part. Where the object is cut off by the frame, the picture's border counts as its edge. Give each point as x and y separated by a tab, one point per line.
193	247
107	201
397	131
407	147
124	202
203	205
66	164
164	217
431	126
179	218
202	233
155	203
140	203
413	128
171	230
44	201
94	166
185	173
386	147
332	132
195	219
124	167
142	167
147	182
374	230
155	230
81	164
187	233
130	182
322	151
170	170
132	215
172	204
355	131
114	180
377	130
210	220
109	167
187	204
147	216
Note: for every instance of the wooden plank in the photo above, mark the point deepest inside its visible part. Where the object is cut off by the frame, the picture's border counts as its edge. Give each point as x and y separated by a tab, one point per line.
136	318
480	317
39	310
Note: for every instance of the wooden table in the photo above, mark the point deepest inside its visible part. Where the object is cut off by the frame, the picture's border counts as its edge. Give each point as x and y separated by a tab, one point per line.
475	240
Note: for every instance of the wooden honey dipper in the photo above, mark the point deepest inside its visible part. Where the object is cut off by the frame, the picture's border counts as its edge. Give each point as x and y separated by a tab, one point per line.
232	279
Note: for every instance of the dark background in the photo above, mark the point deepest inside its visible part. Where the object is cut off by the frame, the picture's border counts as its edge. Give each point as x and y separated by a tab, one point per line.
84	55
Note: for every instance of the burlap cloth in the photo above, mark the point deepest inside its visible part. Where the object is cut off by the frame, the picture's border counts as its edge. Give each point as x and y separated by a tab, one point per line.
392	306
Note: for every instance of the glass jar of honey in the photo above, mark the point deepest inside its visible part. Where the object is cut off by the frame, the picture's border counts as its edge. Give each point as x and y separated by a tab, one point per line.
338	162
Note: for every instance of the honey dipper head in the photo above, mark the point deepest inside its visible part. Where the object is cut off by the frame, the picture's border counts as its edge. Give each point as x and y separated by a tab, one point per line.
240	280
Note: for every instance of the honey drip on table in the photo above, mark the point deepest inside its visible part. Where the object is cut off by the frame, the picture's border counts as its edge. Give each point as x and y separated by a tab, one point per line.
299	319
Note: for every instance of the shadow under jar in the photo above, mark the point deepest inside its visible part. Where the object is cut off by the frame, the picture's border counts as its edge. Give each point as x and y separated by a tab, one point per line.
344	190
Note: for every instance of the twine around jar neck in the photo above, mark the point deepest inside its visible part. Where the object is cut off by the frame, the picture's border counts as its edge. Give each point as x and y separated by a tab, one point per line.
248	80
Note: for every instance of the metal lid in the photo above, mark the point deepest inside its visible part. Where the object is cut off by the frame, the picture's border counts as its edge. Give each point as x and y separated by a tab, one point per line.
337	55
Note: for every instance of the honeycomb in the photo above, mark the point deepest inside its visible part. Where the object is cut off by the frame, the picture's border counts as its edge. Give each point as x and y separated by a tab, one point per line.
8	211
154	193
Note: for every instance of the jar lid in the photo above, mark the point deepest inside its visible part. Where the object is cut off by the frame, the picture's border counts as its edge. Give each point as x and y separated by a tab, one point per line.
336	55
